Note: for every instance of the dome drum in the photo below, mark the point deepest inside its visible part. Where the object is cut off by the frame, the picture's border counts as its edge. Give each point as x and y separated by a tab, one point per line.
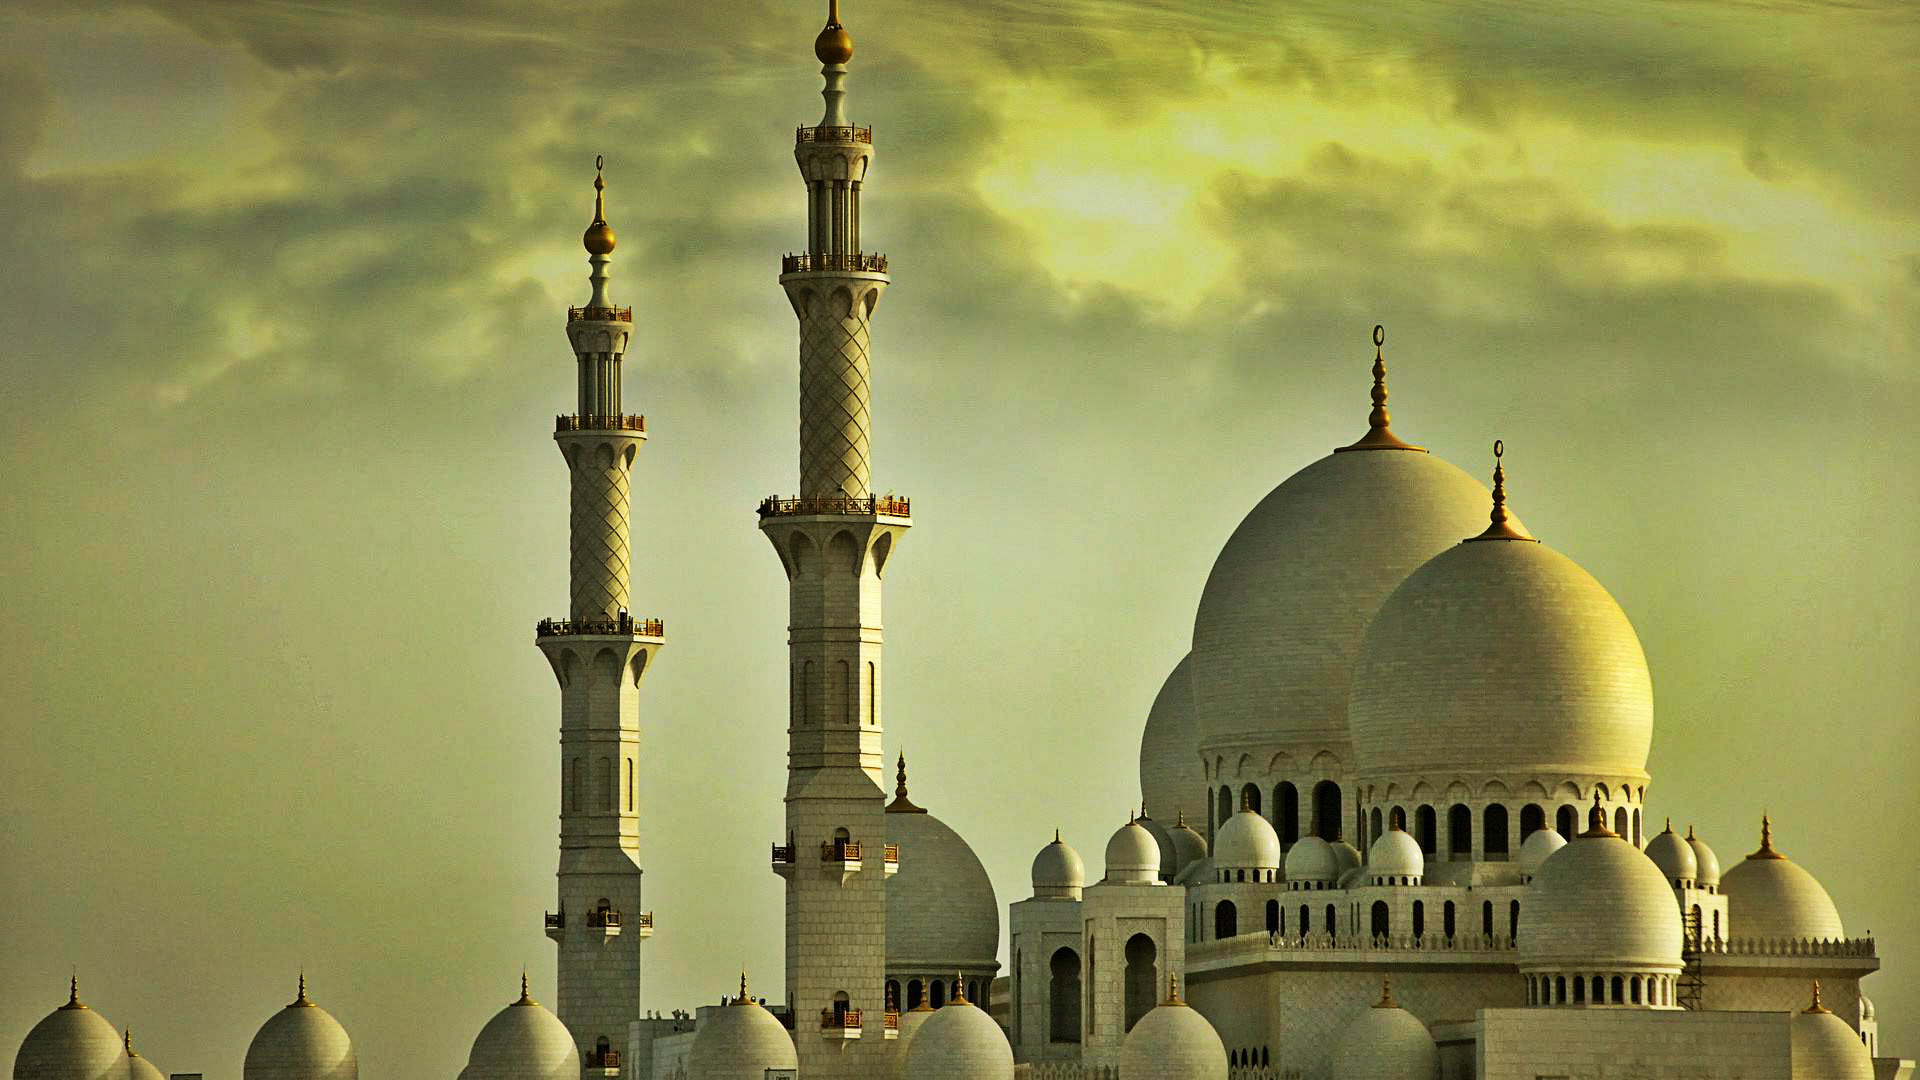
1488	819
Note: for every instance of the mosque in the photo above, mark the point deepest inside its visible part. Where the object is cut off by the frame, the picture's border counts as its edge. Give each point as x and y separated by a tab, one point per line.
1397	795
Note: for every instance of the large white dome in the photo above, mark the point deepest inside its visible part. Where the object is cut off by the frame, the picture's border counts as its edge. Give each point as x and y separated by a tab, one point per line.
70	1043
1771	896
1501	656
1173	1042
1171	781
740	1042
941	912
523	1041
301	1042
1599	904
958	1042
1826	1047
1386	1042
1284	610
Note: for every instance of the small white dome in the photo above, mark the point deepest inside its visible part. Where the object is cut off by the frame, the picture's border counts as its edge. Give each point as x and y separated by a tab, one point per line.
1189	846
941	911
1599	904
523	1041
1770	896
1674	857
139	1068
301	1042
740	1041
1345	856
1534	850
1396	856
1246	842
1173	1042
1311	861
958	1042
1826	1047
1058	872
1708	874
1171	780
70	1043
1162	838
1386	1042
1133	856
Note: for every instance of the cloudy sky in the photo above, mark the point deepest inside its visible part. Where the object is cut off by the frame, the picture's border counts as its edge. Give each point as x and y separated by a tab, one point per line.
281	340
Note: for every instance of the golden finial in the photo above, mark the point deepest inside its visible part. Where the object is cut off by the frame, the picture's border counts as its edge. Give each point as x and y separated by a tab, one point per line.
743	998
1502	527
1816	1007
1056	836
1689	830
1246	801
126	1043
599	238
1179	818
525	997
959	990
901	804
1766	840
301	1001
834	45
1669	827
1386	994
73	993
1597	820
1173	990
1380	434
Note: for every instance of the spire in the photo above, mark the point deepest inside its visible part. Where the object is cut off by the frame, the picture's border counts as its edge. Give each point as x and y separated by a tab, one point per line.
901	804
525	997
1501	527
834	47
743	998
599	241
1816	1007
301	1001
126	1042
1179	819
1056	836
959	990
1766	841
1386	994
1173	990
1689	831
1597	821
73	993
1669	827
1379	434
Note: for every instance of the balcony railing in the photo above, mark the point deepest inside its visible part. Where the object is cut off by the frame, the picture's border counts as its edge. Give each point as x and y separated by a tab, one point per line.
644	921
890	852
824	133
840	851
599	314
600	423
556	920
622	623
782	853
603	1059
848	1019
606	918
834	260
889	505
891	1022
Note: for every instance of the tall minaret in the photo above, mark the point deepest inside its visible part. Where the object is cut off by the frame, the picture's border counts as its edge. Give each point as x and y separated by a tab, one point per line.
599	653
835	541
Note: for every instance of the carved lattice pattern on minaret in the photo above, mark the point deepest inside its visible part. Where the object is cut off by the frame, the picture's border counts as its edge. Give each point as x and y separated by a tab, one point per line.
834	399
602	542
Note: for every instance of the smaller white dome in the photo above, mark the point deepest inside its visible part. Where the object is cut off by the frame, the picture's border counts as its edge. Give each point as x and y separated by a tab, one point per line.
740	1041
139	1068
1708	874
1312	862
1396	859
1598	874
301	1042
1173	1042
958	1042
1163	839
1188	844
523	1041
1825	1047
1246	842
1133	856
1386	1042
1345	856
1058	872
1674	857
1771	896
1534	850
70	1043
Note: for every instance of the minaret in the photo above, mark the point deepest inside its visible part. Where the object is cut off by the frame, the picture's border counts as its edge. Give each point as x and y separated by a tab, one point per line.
834	542
599	653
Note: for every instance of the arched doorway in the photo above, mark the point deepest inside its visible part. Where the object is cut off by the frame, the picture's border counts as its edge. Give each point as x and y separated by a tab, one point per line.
1326	810
1382	919
1063	997
1142	979
1226	920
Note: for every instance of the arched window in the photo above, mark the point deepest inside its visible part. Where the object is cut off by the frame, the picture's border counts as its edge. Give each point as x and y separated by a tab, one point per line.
1226	920
1250	797
1226	805
913	993
1716	926
602	1047
574	779
629	785
1693	927
1559	989
1092	985
1637	840
937	988
1636	990
1532	820
1419	919
1566	822
1599	990
1513	920
1142	980
1579	990
1382	919
1306	924
1326	810
1446	919
1486	919
1333	926
1493	840
1459	831
1286	799
1424	829
603	782
1273	916
1374	826
873	692
893	988
1620	822
842	1005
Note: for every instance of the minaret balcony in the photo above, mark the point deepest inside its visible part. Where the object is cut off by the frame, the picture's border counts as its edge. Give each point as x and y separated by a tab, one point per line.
563	424
600	314
841	1024
846	505
862	261
783	859
890	1025
890	858
607	921
831	133
643	924
556	925
621	625
602	1063
842	856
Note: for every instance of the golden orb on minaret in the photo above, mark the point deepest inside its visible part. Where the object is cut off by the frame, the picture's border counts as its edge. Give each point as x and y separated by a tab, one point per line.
599	238
834	45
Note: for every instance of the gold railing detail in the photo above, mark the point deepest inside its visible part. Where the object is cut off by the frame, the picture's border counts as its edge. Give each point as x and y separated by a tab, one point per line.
889	505
620	624
833	260
599	314
600	423
825	133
